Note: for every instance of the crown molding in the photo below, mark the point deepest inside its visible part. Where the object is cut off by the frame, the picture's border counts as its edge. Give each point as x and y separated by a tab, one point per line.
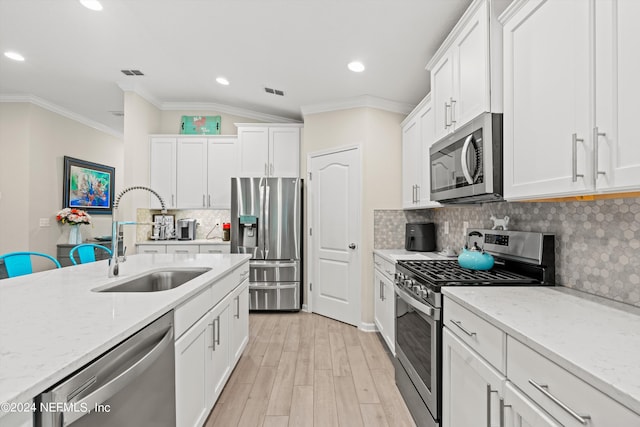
54	108
426	100
366	101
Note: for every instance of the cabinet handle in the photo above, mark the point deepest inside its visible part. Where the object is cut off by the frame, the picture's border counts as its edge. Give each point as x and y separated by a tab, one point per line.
203	204
265	169
218	329
446	108
237	316
213	335
489	391
209	200
150	251
453	110
596	171
182	251
582	419
382	298
417	193
502	406
574	157
271	169
462	328
172	201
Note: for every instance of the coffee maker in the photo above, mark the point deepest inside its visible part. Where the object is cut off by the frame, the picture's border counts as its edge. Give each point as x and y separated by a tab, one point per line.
186	229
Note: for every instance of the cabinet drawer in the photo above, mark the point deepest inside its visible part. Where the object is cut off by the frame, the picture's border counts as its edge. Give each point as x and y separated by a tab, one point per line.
215	249
477	333
231	281
152	249
187	313
182	249
387	268
560	393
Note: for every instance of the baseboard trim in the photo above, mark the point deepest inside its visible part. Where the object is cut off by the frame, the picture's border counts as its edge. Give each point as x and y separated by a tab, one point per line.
368	327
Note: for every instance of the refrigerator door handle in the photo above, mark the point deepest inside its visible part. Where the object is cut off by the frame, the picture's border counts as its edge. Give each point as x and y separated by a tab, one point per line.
266	206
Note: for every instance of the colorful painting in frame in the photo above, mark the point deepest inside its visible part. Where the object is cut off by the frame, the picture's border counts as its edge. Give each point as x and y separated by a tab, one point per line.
88	186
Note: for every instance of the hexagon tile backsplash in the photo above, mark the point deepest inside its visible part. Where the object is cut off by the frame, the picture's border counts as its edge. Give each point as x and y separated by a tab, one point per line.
597	242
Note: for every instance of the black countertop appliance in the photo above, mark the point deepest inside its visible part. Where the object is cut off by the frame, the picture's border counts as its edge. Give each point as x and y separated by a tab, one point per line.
420	237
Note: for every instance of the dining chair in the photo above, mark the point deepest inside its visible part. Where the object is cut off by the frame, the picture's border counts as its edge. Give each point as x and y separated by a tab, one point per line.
86	252
19	263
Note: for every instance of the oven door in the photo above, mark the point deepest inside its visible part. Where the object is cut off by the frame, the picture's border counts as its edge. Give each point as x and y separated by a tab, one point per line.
418	343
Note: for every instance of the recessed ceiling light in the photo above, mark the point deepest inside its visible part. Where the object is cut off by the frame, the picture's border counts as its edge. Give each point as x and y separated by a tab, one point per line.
14	55
356	66
223	81
91	4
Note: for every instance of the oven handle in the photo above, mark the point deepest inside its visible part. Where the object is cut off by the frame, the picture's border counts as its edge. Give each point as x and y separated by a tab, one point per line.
431	312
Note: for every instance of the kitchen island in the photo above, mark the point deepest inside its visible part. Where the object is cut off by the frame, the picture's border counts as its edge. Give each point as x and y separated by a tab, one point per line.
53	322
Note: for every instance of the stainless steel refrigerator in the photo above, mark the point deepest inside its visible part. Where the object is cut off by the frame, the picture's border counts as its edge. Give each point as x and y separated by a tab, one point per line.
266	215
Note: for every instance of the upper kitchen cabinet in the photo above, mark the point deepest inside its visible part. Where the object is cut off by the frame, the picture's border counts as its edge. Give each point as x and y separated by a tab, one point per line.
466	72
193	172
269	149
570	75
417	138
163	171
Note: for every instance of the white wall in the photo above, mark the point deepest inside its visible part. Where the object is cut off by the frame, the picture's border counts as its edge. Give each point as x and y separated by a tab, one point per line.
33	142
378	134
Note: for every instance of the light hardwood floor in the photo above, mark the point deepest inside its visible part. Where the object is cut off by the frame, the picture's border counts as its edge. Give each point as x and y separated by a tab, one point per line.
302	369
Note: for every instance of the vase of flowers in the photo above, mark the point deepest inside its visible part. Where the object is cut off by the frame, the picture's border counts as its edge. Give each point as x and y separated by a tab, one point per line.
74	217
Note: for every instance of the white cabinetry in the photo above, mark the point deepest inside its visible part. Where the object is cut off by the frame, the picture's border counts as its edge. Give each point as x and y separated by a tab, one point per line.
193	172
570	98
163	171
269	150
182	248
417	138
211	337
384	304
489	375
466	72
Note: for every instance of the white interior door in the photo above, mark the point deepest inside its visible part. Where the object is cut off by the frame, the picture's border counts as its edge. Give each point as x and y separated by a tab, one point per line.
335	240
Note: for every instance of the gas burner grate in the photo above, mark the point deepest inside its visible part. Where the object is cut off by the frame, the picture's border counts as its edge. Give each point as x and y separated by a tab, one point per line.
449	272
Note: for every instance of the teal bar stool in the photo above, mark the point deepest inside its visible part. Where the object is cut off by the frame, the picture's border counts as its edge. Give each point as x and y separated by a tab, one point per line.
19	263
86	252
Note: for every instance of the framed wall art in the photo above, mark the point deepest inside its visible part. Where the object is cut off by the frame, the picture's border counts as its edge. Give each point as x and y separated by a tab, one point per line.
88	186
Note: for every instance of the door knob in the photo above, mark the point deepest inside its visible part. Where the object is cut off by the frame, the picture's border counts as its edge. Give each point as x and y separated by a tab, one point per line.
352	246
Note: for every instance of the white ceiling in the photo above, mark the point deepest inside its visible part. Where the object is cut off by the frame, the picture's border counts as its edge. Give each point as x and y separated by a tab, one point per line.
74	55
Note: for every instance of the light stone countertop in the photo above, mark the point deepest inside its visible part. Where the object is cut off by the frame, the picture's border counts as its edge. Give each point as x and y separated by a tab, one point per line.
183	242
52	324
394	255
594	341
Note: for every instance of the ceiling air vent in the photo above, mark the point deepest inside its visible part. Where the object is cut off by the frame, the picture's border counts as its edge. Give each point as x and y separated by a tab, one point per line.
274	91
132	72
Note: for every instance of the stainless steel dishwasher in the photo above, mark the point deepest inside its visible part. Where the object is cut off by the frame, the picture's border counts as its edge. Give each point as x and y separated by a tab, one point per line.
133	384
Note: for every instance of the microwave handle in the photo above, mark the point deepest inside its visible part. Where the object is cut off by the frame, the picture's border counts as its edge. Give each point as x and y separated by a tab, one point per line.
465	166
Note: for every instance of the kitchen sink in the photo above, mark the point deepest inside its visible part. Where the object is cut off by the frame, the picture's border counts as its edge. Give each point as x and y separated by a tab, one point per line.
156	281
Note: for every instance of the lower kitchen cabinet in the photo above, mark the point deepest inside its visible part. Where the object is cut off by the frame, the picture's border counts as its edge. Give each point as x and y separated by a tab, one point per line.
520	411
384	303
186	248
471	387
208	348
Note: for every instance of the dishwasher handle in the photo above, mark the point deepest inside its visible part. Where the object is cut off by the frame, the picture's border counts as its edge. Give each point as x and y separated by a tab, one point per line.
128	374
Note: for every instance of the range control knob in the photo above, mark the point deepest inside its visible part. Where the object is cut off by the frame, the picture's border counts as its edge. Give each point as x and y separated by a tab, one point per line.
409	283
423	293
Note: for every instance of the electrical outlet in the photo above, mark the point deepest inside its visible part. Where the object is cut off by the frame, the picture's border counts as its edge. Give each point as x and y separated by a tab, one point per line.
45	222
217	222
446	227
465	227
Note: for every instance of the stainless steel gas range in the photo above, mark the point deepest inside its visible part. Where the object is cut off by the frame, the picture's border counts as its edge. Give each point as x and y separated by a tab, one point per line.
521	259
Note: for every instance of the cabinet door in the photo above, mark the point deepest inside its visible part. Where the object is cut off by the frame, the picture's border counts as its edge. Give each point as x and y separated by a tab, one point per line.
219	356
546	84
389	312
193	374
441	95
520	411
162	167
411	156
192	173
222	165
379	305
617	89
427	139
253	151
471	388
284	152
183	249
151	249
239	321
471	73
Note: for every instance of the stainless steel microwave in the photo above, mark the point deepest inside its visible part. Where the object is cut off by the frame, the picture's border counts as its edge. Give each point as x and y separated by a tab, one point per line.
466	166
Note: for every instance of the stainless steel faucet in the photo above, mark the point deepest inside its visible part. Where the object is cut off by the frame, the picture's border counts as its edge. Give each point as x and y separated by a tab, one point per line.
115	225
